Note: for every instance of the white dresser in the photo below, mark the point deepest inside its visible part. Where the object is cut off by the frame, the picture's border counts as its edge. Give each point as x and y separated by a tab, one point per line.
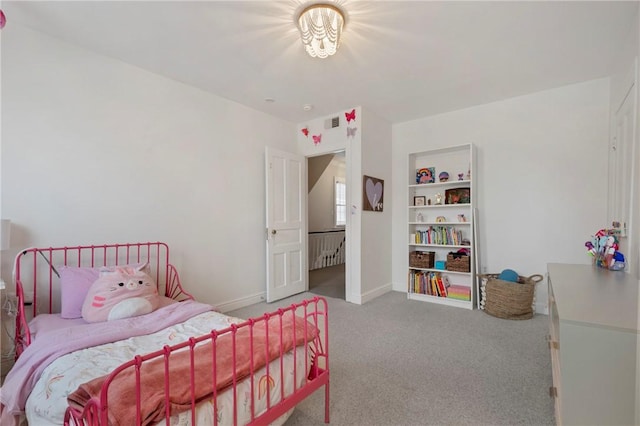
594	343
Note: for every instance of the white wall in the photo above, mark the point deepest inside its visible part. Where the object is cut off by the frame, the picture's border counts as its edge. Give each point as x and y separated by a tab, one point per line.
626	74
95	150
541	176
376	226
626	77
321	198
331	139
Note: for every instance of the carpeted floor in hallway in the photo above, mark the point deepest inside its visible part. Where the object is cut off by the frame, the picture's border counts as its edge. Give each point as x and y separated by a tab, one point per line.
329	281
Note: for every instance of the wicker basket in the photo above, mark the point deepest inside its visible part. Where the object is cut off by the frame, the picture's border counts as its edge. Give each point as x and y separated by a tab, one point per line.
509	300
421	259
458	263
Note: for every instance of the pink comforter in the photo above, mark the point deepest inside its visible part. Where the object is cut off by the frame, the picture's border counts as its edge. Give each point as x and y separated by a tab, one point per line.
121	396
48	347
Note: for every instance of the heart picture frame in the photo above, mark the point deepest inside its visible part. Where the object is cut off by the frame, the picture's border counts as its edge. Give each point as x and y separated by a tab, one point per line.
372	194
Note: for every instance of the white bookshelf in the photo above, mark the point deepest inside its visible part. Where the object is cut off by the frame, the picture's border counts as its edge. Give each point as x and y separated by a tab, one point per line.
441	213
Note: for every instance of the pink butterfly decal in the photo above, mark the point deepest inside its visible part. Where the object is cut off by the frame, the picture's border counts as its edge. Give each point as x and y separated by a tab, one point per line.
350	115
305	131
3	19
317	139
351	131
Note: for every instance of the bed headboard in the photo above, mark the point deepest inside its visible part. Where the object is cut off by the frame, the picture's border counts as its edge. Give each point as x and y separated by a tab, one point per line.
38	280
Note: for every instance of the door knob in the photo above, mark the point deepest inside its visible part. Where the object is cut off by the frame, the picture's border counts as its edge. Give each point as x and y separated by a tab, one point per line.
273	232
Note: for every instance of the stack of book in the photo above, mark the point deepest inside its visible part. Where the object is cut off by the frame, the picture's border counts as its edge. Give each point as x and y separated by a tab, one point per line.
442	235
429	283
459	292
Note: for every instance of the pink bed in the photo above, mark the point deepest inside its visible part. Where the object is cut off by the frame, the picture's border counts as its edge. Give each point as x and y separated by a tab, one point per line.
167	366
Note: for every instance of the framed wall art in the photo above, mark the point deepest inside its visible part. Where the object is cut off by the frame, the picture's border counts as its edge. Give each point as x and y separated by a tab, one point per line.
426	175
457	196
372	193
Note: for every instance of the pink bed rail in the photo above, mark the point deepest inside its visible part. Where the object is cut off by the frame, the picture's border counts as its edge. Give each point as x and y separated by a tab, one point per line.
36	276
316	374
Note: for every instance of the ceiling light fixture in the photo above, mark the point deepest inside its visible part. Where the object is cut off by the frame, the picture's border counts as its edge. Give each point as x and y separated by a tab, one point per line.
320	28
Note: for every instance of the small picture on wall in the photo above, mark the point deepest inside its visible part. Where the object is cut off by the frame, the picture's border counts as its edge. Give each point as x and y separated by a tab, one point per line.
426	175
372	193
420	200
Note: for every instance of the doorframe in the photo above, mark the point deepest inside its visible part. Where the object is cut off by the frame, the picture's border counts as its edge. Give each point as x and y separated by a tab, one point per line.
349	260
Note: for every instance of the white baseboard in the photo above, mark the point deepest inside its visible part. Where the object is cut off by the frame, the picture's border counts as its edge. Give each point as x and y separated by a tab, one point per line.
360	299
232	305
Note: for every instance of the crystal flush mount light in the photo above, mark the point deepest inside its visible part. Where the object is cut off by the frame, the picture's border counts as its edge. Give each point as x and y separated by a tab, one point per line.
320	28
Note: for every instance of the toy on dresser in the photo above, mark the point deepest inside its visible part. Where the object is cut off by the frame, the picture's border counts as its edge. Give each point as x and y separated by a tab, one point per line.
603	246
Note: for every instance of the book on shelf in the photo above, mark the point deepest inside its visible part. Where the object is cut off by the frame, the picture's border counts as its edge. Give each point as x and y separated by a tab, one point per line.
429	283
442	235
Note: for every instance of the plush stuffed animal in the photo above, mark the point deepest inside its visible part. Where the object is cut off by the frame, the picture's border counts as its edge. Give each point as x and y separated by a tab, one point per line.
120	293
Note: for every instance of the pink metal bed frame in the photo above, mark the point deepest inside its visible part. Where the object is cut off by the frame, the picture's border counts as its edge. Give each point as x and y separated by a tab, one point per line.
37	266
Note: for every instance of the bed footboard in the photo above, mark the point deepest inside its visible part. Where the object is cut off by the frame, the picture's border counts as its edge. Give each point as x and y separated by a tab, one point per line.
245	359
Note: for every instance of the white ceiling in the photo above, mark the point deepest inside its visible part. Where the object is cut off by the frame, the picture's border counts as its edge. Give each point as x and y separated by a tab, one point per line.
400	59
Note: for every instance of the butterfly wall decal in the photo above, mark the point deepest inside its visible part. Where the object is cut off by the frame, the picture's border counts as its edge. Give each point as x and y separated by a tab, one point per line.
350	115
305	131
351	131
317	139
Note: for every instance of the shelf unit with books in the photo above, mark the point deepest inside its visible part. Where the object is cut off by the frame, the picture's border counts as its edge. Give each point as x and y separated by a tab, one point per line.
441	231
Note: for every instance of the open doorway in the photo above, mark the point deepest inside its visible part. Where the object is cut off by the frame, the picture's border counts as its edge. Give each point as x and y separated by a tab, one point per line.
327	218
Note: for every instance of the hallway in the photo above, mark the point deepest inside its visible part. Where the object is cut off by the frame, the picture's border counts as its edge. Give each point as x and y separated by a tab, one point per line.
329	281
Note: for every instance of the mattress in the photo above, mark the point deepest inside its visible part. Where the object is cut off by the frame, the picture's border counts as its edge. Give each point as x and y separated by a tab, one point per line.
47	402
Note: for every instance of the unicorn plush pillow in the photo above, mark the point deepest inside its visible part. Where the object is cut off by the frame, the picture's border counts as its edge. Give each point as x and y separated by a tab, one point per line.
120	293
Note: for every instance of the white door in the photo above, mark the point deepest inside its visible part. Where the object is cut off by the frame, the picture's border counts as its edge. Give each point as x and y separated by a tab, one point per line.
286	180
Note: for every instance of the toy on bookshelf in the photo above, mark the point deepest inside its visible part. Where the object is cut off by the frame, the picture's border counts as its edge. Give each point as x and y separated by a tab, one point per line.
426	175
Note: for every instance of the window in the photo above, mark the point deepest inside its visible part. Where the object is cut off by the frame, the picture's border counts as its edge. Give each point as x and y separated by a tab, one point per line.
340	192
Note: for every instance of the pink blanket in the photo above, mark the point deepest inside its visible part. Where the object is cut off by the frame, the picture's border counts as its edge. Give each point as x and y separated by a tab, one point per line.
50	346
121	395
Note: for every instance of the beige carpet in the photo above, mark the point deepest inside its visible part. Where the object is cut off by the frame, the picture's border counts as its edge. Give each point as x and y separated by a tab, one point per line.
399	362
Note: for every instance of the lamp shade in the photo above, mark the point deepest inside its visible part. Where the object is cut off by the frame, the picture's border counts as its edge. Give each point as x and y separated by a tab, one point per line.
5	234
320	27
